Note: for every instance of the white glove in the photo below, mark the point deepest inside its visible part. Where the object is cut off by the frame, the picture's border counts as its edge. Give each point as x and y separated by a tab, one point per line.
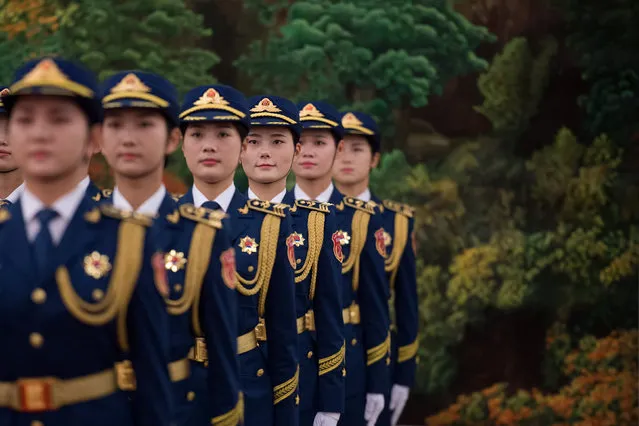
398	398
374	407
326	419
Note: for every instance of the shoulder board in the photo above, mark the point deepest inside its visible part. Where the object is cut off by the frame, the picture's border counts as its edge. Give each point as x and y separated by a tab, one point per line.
313	205
203	215
365	206
176	197
403	209
115	213
268	207
4	215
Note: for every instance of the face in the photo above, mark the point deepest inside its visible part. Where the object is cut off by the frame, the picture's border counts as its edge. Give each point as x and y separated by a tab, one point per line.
51	137
135	141
7	160
316	155
354	162
267	154
212	150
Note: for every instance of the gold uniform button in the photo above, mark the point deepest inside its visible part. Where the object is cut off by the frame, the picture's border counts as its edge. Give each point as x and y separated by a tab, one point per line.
251	269
37	423
309	355
388	361
97	294
177	288
190	395
354	342
260	372
299	261
343	372
38	296
36	340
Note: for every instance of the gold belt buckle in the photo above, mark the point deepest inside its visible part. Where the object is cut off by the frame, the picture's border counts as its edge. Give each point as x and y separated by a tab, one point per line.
200	353
36	395
260	331
309	321
125	376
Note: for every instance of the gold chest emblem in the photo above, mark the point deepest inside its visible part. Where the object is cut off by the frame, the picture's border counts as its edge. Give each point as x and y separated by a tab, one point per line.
174	261
248	245
96	265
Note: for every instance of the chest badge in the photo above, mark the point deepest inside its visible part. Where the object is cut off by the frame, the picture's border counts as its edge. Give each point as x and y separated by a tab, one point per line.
388	240
380	241
248	245
174	261
292	241
228	267
96	265
340	238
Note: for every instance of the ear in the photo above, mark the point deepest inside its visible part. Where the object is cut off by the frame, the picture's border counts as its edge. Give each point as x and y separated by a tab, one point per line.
95	140
298	149
375	160
340	146
175	137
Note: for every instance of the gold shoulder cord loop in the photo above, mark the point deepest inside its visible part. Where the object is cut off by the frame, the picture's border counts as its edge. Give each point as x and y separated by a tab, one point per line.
360	230
199	258
315	240
269	235
401	238
128	262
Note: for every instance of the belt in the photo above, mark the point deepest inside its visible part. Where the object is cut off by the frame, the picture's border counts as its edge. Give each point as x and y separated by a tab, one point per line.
306	322
39	394
351	314
245	343
179	370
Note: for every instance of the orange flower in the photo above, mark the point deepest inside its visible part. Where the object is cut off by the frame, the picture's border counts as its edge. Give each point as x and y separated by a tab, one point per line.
507	417
494	406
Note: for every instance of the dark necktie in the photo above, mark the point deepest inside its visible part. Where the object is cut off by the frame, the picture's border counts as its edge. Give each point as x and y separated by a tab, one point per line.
43	244
213	205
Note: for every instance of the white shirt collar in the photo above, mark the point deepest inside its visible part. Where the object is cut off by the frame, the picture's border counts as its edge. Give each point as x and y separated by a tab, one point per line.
224	199
65	206
277	199
84	183
13	197
323	197
365	196
150	207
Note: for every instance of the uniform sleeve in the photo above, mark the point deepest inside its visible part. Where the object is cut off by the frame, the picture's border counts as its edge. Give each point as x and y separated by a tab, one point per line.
218	317
148	330
373	296
407	316
327	306
281	333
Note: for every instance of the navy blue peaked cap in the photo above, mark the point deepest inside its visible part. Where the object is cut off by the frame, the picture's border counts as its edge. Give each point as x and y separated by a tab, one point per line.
215	103
140	89
56	76
321	115
267	110
358	123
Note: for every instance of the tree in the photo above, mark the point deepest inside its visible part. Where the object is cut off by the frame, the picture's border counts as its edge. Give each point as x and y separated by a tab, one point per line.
604	37
154	35
379	57
514	84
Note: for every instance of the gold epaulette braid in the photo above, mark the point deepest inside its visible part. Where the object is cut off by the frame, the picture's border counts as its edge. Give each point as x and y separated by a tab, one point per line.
315	222
269	234
391	264
360	230
128	263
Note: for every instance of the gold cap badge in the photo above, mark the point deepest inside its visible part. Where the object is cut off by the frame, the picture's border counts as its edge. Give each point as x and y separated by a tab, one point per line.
5	92
265	105
310	110
211	96
349	120
130	83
